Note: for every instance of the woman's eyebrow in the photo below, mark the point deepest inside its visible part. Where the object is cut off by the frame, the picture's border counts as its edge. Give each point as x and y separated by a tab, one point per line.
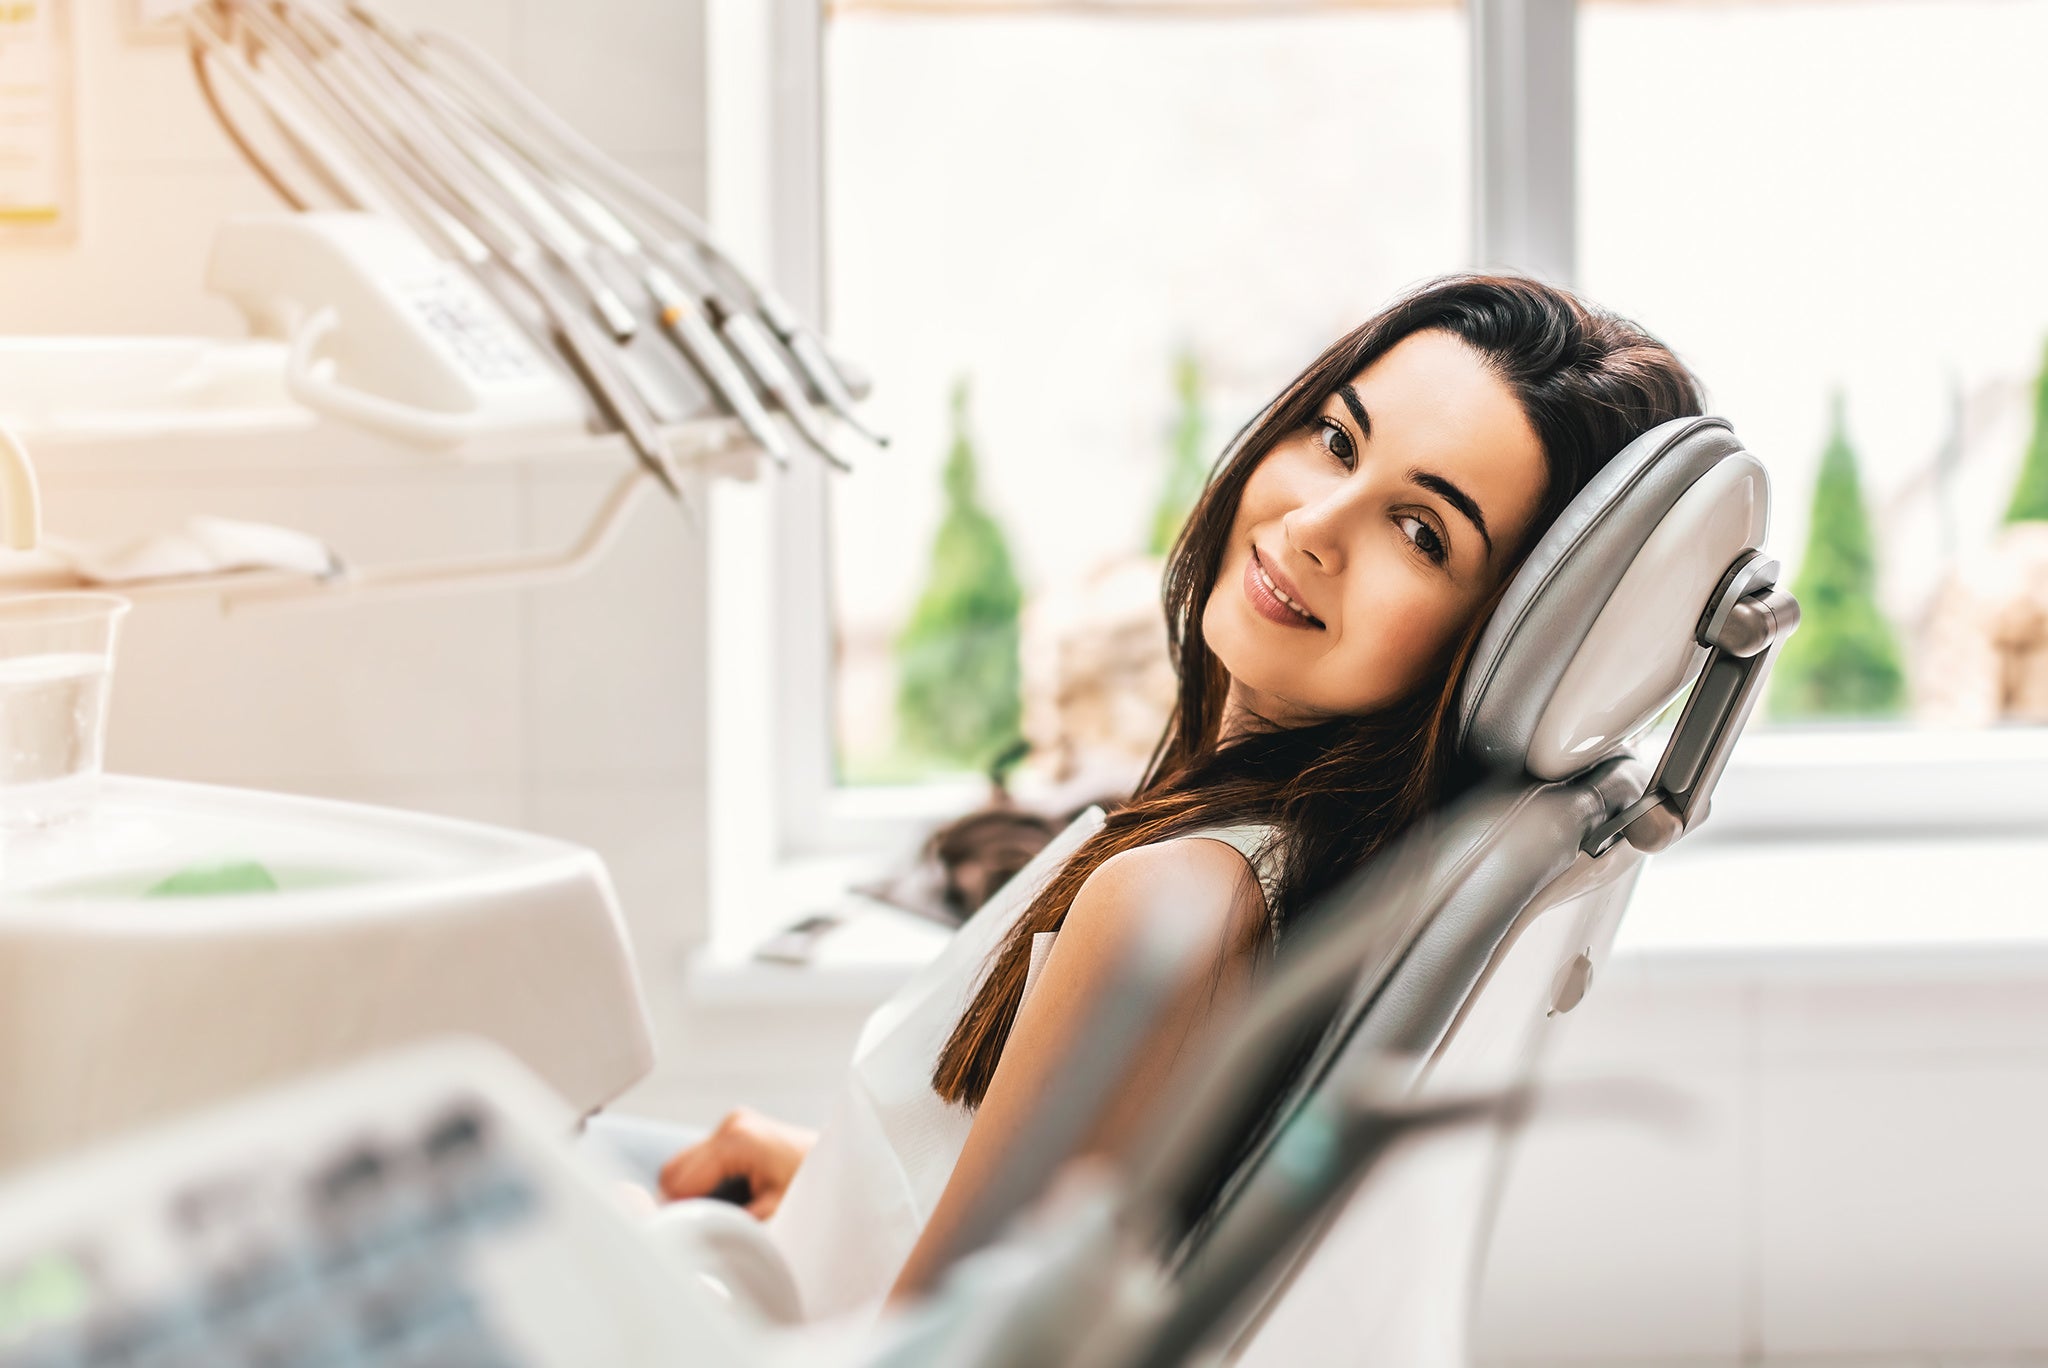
1456	498
1350	398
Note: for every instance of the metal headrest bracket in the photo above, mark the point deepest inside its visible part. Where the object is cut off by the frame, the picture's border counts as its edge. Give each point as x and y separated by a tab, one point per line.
1746	620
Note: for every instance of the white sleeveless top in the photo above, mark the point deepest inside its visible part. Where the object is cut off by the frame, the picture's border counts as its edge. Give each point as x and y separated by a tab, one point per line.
863	1194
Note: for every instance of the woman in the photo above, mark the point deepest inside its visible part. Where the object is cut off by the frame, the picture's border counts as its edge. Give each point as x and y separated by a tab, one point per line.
1320	606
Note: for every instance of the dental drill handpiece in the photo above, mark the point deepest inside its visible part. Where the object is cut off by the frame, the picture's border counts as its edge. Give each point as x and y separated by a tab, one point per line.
825	371
693	316
698	319
518	246
700	323
526	196
466	136
682	320
399	166
458	154
832	385
755	332
359	176
755	338
688	233
754	348
827	375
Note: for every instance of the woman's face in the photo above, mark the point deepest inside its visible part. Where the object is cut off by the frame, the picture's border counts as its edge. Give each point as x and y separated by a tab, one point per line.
1366	540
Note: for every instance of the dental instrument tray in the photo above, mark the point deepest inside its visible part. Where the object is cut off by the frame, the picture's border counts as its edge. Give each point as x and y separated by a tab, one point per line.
178	943
417	1208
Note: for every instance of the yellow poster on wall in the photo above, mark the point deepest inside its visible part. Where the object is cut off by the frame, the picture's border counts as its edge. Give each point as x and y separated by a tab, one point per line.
38	149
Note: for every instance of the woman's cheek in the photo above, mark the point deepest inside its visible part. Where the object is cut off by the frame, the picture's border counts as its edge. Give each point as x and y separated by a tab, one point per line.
1391	642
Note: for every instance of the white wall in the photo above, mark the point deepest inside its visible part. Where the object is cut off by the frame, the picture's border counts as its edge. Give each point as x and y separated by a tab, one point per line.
1858	1185
1859	1031
577	711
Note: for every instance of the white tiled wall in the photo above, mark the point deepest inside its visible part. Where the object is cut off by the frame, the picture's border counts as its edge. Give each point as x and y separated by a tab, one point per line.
576	710
1861	1181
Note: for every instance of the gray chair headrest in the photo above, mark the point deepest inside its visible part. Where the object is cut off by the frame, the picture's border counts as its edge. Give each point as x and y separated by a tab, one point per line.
1597	632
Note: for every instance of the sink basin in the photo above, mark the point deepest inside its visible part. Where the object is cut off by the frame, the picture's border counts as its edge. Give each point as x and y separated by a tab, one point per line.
370	927
141	832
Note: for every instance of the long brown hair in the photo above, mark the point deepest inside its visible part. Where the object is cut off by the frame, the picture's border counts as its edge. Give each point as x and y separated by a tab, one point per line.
1339	789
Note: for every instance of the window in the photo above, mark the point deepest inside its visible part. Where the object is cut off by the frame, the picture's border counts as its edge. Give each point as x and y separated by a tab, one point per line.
1831	210
1122	230
1077	252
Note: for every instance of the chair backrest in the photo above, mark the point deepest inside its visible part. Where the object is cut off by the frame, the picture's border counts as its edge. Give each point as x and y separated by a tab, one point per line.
1651	579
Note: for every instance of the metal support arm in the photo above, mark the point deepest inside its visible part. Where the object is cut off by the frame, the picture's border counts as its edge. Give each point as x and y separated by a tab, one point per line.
1746	621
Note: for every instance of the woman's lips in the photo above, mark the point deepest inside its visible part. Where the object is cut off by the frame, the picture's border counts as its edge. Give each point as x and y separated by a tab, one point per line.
1266	603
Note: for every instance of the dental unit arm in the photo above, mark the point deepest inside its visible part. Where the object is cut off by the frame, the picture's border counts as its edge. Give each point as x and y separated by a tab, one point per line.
459	273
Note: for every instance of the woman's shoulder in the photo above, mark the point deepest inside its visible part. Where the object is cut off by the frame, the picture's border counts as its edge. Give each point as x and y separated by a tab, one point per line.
1213	860
1180	876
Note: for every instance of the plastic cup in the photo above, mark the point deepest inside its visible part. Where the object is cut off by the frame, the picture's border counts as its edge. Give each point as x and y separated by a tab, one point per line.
56	658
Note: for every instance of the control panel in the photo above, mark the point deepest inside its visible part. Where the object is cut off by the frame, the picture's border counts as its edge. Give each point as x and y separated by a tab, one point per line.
421	1208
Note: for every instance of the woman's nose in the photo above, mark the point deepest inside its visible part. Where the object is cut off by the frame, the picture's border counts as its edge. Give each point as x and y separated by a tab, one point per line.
1316	530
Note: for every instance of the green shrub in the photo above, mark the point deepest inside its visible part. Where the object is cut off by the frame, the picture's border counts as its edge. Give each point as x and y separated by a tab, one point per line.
2030	495
959	697
1187	465
1844	659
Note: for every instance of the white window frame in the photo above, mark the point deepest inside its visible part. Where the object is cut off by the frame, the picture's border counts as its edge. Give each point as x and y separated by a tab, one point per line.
1890	781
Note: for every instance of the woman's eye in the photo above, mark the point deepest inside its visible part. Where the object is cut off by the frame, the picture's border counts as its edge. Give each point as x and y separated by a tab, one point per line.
1335	439
1428	542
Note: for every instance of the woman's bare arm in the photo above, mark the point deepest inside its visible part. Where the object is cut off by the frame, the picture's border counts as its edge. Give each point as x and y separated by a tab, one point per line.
1202	880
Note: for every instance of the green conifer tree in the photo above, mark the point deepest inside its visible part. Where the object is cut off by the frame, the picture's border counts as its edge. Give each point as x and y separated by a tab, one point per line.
2030	495
1844	659
959	697
1187	468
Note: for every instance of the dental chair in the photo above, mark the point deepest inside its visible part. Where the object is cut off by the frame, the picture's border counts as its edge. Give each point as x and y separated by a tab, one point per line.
1427	987
1654	577
1429	990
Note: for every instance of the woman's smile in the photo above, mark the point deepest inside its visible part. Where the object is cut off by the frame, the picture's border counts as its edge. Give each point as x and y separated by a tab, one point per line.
1270	601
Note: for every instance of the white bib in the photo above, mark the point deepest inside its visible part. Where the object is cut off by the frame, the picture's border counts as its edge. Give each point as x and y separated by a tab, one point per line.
862	1196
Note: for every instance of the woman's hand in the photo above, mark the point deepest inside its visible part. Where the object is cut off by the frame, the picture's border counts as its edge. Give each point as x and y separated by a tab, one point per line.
747	1150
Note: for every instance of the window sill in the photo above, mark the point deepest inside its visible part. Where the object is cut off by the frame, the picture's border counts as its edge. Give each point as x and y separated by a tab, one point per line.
715	983
1849	781
1829	850
1927	908
860	962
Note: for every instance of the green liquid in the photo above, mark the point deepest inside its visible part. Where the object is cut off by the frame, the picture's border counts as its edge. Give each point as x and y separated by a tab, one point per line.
214	880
